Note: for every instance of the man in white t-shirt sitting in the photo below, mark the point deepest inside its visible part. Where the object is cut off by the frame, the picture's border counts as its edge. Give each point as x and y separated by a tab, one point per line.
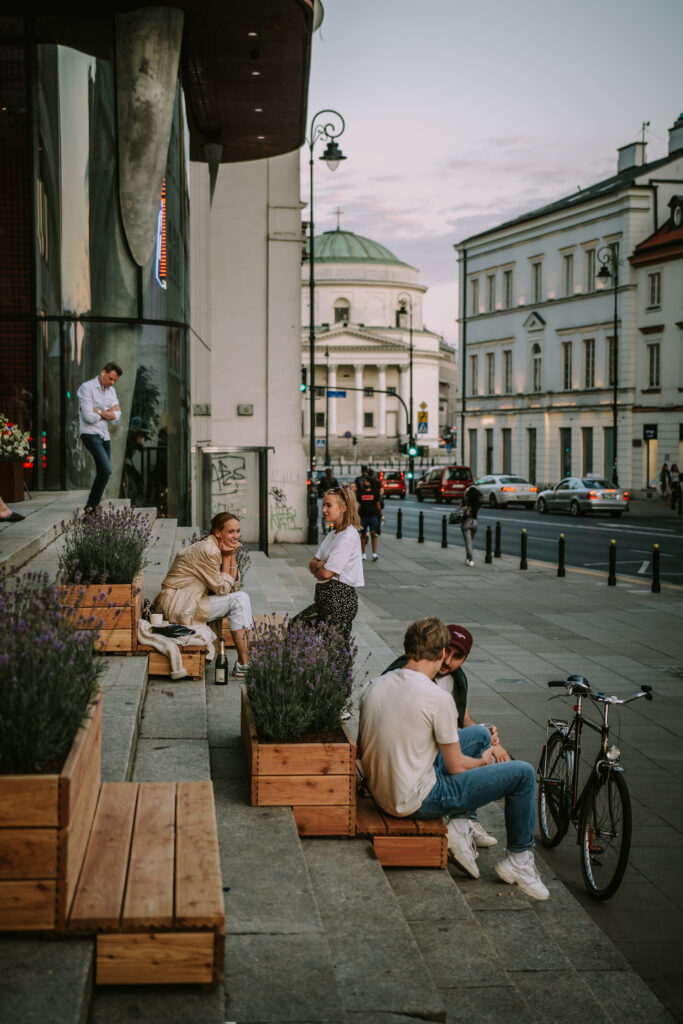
409	747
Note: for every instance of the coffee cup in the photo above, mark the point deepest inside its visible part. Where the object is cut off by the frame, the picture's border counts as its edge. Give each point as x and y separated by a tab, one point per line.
156	619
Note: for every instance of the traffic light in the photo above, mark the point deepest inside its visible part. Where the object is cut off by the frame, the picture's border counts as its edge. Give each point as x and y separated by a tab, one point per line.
403	447
303	385
423	451
412	448
354	440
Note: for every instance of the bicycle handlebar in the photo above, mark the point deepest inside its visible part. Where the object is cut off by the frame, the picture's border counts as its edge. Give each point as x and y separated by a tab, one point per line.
581	687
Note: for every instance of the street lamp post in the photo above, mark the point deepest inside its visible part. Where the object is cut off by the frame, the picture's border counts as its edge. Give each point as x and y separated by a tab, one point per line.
326	124
609	270
327	406
407	300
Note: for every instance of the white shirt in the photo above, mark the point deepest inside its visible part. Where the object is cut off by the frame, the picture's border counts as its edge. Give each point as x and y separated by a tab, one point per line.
404	719
92	393
342	555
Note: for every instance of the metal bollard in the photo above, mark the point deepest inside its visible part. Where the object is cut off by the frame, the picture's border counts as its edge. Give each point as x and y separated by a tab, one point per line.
489	556
496	550
560	555
656	588
522	561
421	528
444	534
399	525
612	574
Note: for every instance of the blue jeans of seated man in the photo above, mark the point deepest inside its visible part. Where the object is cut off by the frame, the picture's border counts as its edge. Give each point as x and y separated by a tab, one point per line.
101	453
474	740
458	795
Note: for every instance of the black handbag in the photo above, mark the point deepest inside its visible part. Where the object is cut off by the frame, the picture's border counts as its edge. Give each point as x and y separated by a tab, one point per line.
173	630
458	515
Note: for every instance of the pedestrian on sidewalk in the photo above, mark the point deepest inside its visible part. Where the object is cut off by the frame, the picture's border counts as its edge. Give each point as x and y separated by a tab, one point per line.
409	746
675	485
471	503
203	584
98	406
337	566
665	484
370	514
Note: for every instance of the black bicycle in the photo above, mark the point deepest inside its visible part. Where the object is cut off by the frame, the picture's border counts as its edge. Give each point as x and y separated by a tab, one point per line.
601	811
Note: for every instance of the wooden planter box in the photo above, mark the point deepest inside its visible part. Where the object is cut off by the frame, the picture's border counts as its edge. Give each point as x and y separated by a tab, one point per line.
45	822
11	480
194	659
117	607
317	780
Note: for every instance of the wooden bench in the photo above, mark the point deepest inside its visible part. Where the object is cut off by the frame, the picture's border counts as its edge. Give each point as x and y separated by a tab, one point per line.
194	661
150	887
274	619
400	842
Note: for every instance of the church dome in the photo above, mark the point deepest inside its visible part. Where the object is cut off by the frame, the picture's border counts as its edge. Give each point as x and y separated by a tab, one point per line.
339	246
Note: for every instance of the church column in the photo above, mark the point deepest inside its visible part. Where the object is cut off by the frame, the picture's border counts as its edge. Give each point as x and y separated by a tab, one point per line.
332	402
405	395
358	383
381	401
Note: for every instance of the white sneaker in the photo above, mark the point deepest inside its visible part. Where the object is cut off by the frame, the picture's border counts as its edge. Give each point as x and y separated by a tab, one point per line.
461	848
481	836
375	557
468	561
240	670
364	557
525	875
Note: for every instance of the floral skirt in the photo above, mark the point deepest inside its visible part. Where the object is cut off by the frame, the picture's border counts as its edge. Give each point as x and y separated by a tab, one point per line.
335	603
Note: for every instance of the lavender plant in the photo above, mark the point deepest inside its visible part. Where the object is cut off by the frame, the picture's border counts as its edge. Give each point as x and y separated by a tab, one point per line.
108	547
243	559
48	675
299	679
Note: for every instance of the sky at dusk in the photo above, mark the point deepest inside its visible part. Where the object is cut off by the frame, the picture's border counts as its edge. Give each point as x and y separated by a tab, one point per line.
460	116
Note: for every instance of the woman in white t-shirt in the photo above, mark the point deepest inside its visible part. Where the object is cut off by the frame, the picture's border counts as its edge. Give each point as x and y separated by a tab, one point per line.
337	565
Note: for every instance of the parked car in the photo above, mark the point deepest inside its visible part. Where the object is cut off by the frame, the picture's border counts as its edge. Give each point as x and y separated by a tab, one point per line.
578	495
394	483
500	491
444	483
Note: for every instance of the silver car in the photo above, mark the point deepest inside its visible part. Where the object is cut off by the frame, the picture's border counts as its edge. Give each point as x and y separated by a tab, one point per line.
498	491
578	495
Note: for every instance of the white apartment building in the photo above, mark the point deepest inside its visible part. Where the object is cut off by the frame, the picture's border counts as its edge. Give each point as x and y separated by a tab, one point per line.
537	349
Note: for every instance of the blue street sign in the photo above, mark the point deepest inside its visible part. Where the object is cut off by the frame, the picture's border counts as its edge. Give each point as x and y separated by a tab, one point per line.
320	442
335	394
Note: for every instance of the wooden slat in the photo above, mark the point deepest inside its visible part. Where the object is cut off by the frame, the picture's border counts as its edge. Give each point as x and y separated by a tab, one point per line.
369	821
409	851
149	890
99	895
305	758
113	640
162	958
29	800
287	791
198	883
90	617
101	595
160	665
73	841
430	827
82	766
399	826
249	738
27	905
324	821
28	853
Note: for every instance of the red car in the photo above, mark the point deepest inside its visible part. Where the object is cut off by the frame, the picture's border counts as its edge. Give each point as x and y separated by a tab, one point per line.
444	483
394	483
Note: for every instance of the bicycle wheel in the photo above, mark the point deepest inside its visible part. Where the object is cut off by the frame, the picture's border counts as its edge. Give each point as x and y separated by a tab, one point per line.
605	834
554	788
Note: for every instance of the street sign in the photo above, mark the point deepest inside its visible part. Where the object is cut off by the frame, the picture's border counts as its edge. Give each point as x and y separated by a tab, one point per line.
320	442
335	394
422	421
422	428
348	435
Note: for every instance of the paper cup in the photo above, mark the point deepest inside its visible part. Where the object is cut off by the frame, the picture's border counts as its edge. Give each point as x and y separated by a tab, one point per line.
156	619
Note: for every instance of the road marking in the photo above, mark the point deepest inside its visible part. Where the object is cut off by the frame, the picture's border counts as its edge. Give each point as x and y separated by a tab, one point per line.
643	568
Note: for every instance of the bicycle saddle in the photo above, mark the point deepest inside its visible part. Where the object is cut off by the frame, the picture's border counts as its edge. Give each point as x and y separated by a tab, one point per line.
579	683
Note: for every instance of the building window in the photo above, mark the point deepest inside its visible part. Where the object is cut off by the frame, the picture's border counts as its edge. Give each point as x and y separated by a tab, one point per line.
507	289
490	293
474	375
490	373
506	442
537	281
589	258
473	445
368	419
653	366
566	366
611	360
489	450
654	290
507	371
474	296
320	419
342	311
536	367
589	363
568	268
565	451
587	445
531	453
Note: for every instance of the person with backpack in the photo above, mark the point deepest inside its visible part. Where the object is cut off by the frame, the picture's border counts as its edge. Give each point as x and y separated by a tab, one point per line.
469	509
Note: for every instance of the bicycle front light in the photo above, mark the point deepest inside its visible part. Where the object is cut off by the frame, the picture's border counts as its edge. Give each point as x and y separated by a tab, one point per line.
613	753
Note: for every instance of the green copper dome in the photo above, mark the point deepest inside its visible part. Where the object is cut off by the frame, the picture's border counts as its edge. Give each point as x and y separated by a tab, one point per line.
345	247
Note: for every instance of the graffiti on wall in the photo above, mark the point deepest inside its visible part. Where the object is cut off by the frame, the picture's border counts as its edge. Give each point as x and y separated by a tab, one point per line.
282	515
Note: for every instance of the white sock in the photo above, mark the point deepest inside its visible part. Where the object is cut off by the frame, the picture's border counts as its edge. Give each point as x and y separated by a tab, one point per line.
461	825
520	858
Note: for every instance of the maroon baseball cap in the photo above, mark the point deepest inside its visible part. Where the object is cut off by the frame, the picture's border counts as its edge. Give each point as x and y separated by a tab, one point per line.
460	638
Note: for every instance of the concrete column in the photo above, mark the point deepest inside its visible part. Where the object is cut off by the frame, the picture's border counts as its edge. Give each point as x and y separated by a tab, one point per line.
358	383
405	395
332	402
381	401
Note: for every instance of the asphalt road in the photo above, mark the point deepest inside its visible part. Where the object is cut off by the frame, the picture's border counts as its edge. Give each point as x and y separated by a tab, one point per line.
587	539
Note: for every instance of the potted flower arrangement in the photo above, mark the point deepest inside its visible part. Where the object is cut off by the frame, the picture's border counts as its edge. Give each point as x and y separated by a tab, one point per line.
14	449
298	751
50	746
101	566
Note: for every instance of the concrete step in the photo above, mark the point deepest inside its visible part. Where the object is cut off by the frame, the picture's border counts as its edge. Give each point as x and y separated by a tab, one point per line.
44	514
380	971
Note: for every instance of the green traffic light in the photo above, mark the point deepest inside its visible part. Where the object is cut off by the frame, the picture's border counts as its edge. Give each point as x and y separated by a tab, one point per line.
409	475
412	452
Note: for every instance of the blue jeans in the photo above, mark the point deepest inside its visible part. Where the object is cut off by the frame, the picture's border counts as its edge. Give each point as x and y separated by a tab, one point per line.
101	453
459	795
